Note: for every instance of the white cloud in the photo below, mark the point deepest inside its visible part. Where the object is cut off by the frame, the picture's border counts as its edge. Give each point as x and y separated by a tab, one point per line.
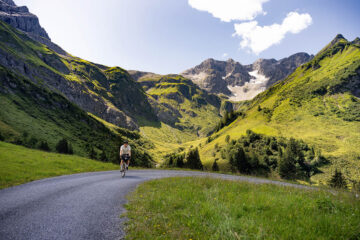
225	55
229	10
259	38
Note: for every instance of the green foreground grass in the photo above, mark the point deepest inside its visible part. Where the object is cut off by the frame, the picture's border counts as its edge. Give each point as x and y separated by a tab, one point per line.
206	208
20	165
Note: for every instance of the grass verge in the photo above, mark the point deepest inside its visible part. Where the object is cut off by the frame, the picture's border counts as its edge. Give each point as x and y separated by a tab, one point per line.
206	208
19	165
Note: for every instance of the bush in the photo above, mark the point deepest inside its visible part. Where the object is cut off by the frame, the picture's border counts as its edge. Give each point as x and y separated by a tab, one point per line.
103	157
227	138
215	166
92	154
62	146
174	160
338	180
193	159
238	160
70	149
228	118
259	154
44	146
1	137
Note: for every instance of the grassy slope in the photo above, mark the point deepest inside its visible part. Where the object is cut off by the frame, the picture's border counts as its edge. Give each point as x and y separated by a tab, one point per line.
49	116
312	104
199	112
20	165
113	84
29	106
206	208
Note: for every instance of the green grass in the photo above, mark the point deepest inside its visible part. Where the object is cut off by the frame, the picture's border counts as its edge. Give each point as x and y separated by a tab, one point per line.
315	104
207	208
20	165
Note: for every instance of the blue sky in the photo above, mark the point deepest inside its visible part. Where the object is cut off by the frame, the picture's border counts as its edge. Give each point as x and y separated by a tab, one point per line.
169	36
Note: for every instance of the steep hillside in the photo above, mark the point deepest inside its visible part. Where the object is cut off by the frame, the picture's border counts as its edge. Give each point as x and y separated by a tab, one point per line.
318	103
243	82
30	115
107	92
184	110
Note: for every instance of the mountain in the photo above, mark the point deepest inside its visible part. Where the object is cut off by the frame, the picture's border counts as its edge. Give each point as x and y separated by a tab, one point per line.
47	95
241	82
318	103
107	92
23	20
31	114
180	103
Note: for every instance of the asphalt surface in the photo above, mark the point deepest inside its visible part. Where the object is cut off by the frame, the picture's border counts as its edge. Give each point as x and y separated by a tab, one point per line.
80	206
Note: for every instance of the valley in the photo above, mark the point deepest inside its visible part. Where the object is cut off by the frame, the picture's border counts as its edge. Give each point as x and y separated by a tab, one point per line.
48	95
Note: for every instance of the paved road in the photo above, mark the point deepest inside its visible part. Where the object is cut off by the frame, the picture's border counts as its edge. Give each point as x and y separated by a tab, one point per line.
80	206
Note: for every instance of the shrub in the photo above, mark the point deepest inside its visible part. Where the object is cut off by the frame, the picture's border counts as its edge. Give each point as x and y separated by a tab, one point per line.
70	149
44	146
338	180
103	157
174	160
215	166
259	154
92	154
62	146
193	159
238	160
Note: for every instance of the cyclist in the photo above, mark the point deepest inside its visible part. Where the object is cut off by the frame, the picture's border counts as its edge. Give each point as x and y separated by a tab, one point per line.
125	154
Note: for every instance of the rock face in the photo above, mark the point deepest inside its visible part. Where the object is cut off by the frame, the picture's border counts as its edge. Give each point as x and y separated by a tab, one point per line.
21	19
215	76
278	70
107	92
243	82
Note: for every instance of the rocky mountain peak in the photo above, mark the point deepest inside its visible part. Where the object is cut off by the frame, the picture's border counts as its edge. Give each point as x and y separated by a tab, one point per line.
356	41
9	2
21	18
338	37
242	82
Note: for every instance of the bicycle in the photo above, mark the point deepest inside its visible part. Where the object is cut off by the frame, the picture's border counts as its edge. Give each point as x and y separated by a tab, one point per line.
124	166
123	169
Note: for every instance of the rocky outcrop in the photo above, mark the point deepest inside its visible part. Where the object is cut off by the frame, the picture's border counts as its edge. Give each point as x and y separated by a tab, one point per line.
241	82
21	19
215	76
277	70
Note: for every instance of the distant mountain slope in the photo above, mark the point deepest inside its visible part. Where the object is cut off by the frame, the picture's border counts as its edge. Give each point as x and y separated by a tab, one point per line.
241	82
30	114
180	103
107	92
318	103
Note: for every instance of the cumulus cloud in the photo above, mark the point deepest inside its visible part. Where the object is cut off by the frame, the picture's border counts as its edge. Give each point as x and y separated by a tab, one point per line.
230	10
259	38
225	55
